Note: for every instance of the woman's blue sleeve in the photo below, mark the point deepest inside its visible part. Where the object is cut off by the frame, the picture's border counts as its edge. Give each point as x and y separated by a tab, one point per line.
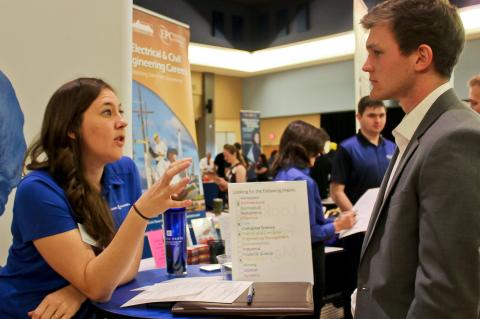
40	211
320	228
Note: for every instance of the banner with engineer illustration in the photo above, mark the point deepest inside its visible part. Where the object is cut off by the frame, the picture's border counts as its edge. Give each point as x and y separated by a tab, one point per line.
163	120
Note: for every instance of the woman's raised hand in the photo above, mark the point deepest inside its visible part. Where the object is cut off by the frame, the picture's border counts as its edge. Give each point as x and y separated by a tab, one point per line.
161	196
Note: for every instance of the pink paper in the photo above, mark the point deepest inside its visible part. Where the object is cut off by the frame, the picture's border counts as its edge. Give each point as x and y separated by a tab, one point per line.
157	246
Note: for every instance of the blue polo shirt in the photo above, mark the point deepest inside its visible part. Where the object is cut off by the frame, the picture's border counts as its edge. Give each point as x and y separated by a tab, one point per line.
360	165
321	229
41	209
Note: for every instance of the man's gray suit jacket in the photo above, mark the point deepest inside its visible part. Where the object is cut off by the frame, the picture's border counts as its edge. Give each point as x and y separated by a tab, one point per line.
421	253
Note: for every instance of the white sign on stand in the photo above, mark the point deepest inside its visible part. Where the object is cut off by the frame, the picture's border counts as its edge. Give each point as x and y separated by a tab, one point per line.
270	231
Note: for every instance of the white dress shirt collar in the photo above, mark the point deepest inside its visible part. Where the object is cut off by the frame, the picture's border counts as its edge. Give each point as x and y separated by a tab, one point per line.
403	133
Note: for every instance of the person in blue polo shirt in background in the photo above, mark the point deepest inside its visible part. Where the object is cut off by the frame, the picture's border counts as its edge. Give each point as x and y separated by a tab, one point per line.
79	216
360	164
299	146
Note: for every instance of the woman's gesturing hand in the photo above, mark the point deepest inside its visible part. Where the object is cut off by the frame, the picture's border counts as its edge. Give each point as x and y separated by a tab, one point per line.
161	196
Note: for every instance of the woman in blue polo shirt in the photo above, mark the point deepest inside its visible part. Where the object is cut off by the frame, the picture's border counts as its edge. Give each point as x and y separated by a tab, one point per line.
299	146
79	216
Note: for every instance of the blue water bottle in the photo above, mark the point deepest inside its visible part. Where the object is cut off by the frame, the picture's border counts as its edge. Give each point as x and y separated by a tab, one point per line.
174	224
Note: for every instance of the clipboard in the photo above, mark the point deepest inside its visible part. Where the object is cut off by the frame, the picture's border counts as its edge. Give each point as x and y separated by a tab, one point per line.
270	299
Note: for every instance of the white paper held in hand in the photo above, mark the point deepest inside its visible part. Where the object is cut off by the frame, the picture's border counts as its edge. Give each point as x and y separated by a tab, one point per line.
363	208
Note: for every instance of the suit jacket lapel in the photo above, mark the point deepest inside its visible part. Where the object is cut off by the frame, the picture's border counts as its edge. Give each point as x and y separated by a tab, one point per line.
379	201
438	108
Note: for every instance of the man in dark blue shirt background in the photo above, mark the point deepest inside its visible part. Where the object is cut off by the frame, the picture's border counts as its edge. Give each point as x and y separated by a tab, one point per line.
360	164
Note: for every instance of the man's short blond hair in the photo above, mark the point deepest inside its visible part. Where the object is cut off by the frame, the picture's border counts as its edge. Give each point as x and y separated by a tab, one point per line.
474	81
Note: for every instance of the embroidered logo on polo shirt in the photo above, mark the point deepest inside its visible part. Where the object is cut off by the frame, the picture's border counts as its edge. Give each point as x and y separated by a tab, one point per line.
118	207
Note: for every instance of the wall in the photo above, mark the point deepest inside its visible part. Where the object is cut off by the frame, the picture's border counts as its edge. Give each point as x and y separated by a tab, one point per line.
47	43
228	101
276	126
330	87
468	66
197	92
318	89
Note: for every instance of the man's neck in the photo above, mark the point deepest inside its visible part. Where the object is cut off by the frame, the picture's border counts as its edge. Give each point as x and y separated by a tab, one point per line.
420	90
373	138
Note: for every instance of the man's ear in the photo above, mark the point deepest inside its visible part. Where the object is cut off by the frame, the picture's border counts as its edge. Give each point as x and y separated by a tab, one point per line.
424	58
72	135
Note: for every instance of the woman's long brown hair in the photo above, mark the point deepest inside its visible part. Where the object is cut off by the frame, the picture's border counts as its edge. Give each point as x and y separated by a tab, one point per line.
299	142
57	152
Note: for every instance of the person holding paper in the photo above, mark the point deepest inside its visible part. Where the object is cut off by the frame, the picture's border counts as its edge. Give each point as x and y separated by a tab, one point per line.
79	216
359	164
421	254
299	146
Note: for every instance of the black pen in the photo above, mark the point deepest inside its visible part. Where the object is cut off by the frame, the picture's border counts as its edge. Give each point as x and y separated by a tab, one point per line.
250	294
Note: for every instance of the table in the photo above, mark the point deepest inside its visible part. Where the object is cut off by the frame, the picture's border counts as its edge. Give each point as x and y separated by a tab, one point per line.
123	293
334	287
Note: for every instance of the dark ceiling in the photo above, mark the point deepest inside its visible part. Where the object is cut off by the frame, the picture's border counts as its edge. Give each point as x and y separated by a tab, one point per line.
254	3
258	24
251	3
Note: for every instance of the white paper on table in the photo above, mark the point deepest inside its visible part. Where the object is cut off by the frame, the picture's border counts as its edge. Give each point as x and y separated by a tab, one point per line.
209	278
212	267
364	207
191	289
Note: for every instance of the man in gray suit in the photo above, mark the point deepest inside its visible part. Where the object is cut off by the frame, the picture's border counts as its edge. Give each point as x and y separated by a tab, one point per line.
421	253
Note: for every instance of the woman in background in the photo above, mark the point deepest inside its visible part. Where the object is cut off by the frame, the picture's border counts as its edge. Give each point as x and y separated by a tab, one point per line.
261	168
79	216
237	173
299	146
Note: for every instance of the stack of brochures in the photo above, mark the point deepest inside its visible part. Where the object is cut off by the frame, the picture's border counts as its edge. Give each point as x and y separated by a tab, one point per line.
199	289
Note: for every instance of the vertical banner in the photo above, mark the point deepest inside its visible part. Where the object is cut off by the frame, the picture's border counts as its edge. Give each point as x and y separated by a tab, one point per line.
362	84
250	130
162	106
